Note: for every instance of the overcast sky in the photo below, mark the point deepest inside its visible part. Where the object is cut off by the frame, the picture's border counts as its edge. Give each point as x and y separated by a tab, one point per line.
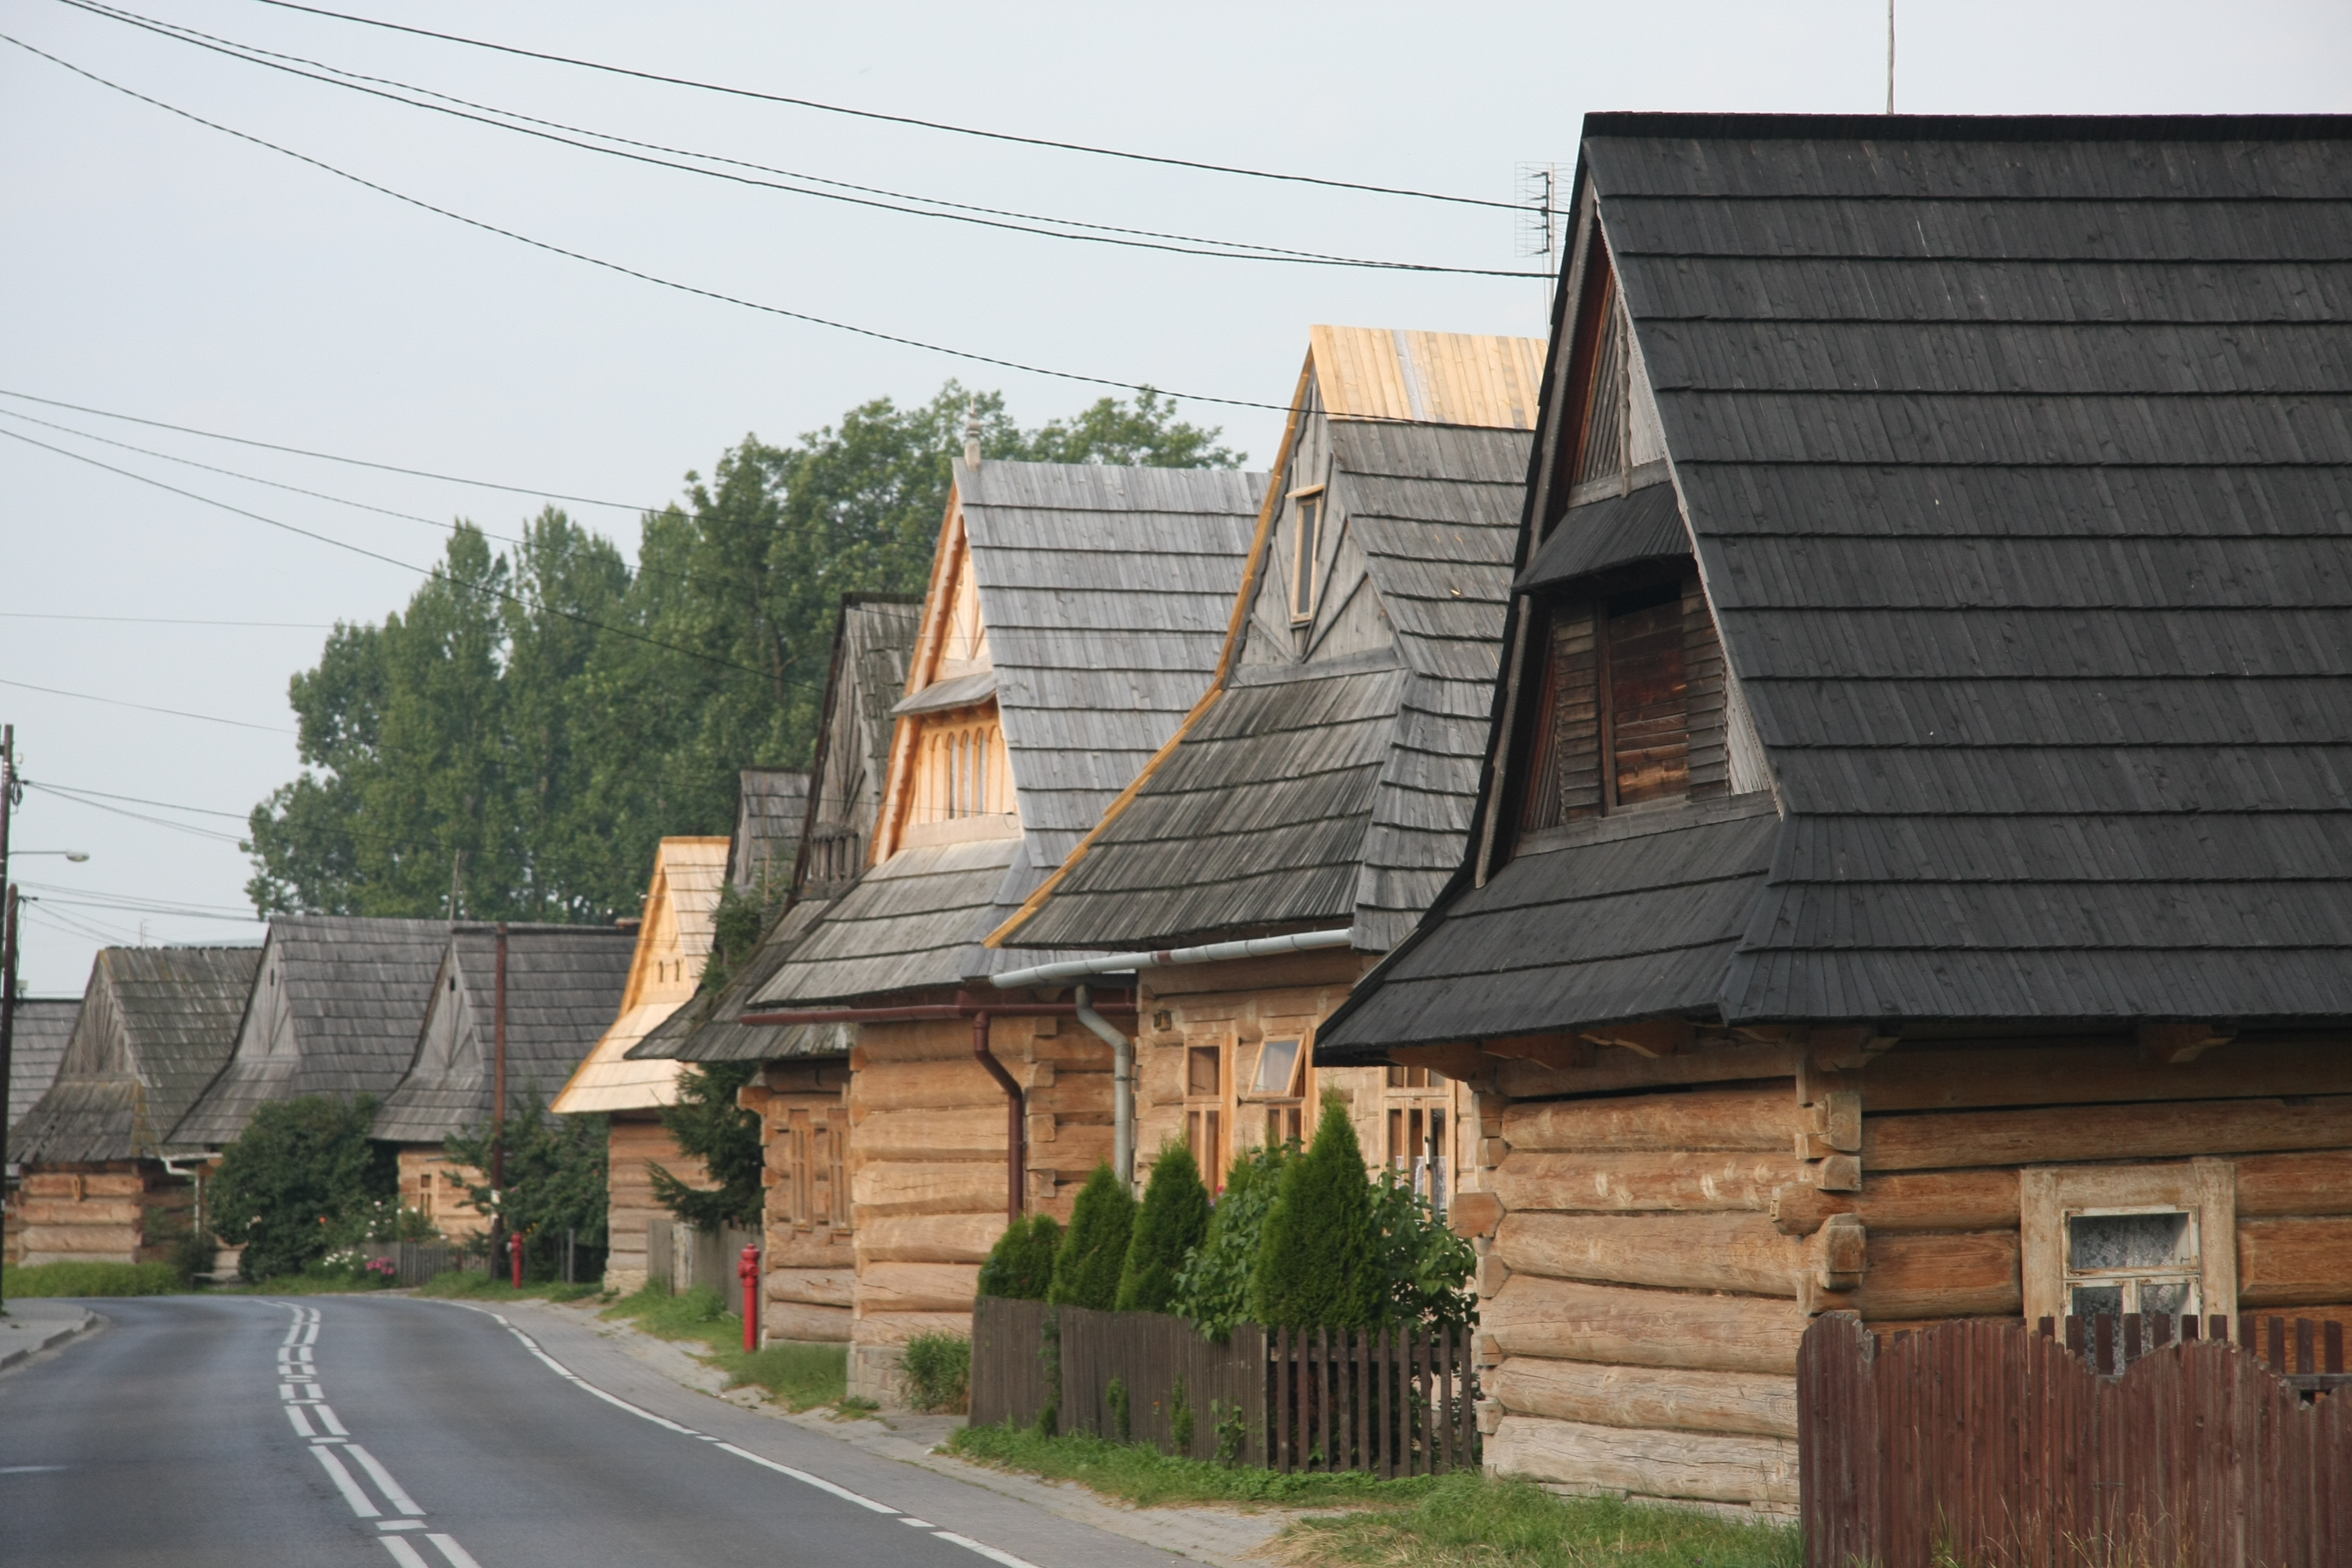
157	268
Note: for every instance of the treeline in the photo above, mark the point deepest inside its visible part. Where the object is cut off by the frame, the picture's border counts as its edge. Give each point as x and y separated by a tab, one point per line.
512	745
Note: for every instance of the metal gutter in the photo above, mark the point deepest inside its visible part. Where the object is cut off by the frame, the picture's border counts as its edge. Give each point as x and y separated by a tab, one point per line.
1160	958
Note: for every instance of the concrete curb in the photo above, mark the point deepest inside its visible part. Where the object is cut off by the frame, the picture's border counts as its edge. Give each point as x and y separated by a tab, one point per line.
20	1341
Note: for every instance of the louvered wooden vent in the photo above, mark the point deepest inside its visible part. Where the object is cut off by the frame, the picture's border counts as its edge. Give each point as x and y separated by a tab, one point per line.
1629	705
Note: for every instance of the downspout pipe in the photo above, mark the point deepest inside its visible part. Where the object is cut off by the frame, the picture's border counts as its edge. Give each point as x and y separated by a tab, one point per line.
1017	1134
1159	958
1122	1092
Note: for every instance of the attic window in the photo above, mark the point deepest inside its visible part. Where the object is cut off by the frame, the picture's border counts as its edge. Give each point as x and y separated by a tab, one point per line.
1628	706
962	772
1307	552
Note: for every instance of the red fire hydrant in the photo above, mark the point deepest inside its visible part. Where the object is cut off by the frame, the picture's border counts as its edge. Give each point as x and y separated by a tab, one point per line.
514	1249
749	1269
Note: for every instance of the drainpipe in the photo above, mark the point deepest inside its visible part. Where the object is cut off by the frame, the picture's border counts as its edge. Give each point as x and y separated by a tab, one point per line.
1122	1100
1017	1138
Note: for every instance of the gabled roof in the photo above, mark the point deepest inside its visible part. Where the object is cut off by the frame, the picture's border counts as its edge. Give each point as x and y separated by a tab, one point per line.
153	1026
1105	594
2017	455
334	1010
709	1028
770	806
673	944
873	646
1335	789
43	1025
564	984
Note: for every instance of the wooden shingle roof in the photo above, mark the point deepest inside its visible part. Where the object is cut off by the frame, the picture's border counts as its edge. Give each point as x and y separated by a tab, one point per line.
673	944
564	986
153	1026
2017	460
334	1010
771	804
43	1025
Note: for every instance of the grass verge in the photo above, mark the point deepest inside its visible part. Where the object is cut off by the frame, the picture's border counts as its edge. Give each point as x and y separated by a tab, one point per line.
797	1376
472	1285
1148	1478
1470	1520
91	1280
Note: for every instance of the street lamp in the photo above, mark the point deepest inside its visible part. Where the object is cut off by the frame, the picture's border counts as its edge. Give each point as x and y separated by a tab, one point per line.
76	855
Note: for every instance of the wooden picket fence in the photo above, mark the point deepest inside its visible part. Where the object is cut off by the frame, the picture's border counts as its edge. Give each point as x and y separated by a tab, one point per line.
2110	1444
1393	1402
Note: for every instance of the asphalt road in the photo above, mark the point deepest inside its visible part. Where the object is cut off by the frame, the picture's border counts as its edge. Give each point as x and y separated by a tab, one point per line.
202	1431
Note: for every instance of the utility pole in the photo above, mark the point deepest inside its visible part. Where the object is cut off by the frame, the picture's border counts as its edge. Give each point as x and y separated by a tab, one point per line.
9	790
499	1086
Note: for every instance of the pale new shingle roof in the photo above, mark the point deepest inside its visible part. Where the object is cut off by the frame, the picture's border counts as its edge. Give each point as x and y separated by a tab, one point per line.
673	944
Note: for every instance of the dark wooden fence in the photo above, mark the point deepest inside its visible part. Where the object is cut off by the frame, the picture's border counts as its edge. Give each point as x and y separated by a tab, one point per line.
1391	1402
415	1262
2116	1443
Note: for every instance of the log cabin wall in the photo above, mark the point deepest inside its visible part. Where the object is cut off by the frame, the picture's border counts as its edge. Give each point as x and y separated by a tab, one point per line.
809	1290
636	1141
103	1211
1658	1232
927	1163
436	1186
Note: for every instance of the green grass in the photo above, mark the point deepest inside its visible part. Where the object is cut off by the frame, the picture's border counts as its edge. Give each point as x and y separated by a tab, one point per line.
1468	1521
1148	1477
798	1377
473	1285
91	1280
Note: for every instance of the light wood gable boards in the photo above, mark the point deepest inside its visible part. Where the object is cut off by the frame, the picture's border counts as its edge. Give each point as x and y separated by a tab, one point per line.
1326	777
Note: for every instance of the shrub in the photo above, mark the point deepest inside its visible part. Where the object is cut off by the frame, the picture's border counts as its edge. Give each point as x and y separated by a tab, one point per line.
91	1280
1316	1265
556	1177
1086	1270
301	1169
1019	1266
939	1372
1212	1288
1173	1221
1424	1268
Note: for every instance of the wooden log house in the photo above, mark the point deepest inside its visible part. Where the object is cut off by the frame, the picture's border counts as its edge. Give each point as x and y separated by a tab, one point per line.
1323	781
564	984
1913	877
1072	613
153	1026
44	1024
673	944
801	1093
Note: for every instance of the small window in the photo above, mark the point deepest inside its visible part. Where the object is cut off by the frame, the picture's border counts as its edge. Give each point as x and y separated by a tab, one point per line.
1277	1068
2120	1261
1204	1111
1612	713
1306	555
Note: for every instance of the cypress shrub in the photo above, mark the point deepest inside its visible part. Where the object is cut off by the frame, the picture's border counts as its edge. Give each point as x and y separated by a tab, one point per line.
1086	1271
1317	1262
1019	1266
1174	1220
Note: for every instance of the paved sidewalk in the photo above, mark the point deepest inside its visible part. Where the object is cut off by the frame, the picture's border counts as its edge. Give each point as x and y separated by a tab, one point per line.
32	1326
1226	1537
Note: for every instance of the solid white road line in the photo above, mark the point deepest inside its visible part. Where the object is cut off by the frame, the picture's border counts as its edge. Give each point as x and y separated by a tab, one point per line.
400	1502
458	1555
807	1479
345	1484
302	1426
326	1419
991	1553
404	1554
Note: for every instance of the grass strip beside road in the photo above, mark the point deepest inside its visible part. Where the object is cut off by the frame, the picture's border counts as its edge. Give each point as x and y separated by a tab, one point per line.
1135	1473
799	1376
44	1280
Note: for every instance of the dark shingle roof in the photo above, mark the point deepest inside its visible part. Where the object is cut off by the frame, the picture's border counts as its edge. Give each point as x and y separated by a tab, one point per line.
335	1011
709	1028
1330	791
564	985
1106	593
2017	455
155	1024
43	1025
770	806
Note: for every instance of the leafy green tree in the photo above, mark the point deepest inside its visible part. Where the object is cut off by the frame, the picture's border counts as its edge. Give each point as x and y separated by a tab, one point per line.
1174	1220
708	1126
556	1173
1019	1266
1316	1261
300	1171
1086	1270
1213	1289
1424	1269
514	743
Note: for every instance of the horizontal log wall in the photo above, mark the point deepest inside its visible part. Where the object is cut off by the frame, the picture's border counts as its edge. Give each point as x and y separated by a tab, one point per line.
1650	1260
98	1213
637	1141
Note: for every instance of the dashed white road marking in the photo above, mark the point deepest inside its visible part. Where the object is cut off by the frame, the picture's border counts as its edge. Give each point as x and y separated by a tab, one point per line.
458	1555
404	1554
302	1426
993	1553
399	1524
400	1502
326	1419
359	1499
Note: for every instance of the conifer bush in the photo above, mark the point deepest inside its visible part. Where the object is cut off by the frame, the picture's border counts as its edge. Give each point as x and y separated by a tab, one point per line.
1174	1220
1019	1266
1087	1270
1317	1261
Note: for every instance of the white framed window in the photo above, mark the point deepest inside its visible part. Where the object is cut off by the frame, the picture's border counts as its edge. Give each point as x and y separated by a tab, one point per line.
2122	1260
1307	550
1275	1087
2128	1238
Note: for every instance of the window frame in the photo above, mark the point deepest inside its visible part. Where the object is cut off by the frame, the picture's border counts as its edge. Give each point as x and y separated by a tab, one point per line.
1538	733
1306	550
2048	1195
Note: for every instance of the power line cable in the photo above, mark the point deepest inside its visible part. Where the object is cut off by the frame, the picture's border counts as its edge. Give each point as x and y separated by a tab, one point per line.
896	119
435	573
76	791
844	191
119	702
192	829
642	277
326	457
